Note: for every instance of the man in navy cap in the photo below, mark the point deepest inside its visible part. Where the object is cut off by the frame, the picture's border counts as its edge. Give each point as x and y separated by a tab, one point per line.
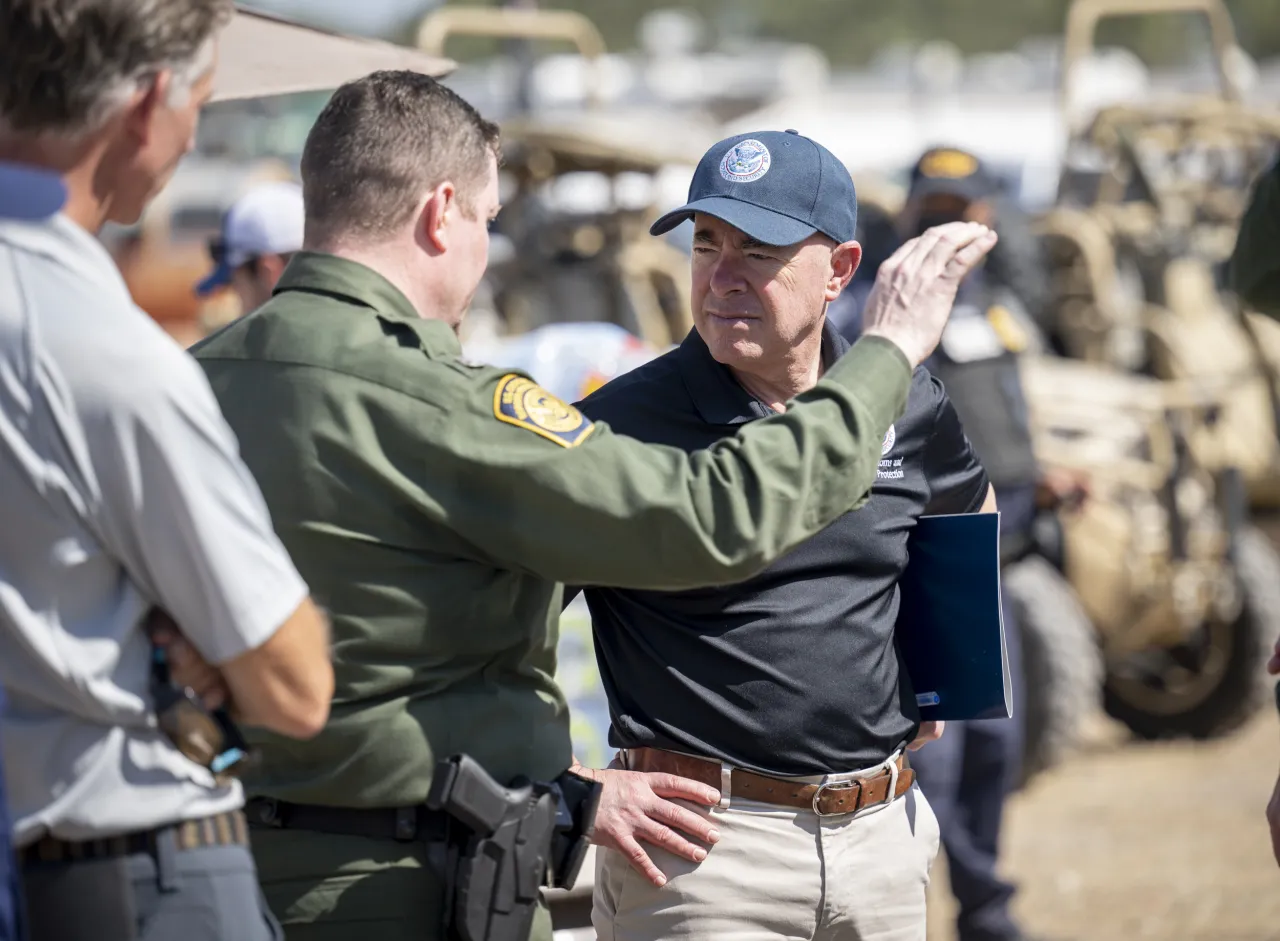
784	692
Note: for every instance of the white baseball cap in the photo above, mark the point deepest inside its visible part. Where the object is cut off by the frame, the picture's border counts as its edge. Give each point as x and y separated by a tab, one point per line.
267	220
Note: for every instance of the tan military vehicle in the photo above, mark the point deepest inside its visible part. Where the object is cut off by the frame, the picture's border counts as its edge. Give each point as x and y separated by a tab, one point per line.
1148	208
1183	593
1181	588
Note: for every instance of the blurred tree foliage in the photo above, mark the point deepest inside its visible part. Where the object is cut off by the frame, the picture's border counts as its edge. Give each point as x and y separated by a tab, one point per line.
852	32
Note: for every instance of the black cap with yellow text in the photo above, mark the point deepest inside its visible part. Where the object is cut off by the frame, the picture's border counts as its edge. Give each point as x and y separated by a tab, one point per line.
951	171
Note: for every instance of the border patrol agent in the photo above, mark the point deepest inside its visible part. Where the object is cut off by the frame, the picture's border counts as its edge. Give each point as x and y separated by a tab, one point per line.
437	505
784	691
121	494
26	195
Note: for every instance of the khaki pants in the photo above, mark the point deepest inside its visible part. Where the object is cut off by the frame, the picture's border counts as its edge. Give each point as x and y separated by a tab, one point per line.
778	872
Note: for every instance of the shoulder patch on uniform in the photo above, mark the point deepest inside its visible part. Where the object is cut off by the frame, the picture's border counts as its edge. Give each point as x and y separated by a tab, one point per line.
522	402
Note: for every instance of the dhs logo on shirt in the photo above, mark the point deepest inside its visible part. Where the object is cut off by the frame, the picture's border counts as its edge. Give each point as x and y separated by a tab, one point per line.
890	467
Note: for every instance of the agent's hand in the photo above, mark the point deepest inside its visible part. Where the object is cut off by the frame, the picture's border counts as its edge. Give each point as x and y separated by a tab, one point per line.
916	288
186	666
929	732
637	806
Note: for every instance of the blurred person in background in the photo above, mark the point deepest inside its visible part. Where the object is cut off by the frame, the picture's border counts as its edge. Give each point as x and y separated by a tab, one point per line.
260	233
123	502
968	775
1254	275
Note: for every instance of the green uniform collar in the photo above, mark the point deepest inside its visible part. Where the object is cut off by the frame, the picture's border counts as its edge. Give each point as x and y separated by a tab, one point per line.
350	280
321	273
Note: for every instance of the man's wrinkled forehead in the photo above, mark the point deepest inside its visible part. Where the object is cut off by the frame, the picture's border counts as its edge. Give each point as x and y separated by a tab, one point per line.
708	228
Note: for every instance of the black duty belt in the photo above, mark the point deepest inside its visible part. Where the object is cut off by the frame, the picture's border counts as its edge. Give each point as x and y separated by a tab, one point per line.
229	829
405	824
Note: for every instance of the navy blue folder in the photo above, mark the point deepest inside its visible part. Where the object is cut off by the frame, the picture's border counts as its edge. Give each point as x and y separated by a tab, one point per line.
950	627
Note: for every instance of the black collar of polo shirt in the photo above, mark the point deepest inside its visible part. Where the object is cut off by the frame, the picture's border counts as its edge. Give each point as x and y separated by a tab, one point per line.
319	273
719	398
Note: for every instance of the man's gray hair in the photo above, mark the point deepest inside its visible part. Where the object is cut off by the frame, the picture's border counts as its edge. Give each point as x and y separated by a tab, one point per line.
67	66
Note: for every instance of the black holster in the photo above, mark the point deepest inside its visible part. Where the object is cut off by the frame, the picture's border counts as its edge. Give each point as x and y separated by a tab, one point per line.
505	844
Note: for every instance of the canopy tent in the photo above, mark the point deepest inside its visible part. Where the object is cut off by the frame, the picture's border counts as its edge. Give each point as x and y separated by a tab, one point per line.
261	55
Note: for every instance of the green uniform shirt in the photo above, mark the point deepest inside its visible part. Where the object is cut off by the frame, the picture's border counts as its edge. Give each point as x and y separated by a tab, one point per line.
1255	264
435	507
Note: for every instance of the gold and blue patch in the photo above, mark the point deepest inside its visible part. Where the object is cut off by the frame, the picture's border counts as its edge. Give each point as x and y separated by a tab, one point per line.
522	402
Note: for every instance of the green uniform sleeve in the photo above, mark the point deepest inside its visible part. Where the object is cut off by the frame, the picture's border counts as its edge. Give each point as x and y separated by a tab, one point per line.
1255	264
537	487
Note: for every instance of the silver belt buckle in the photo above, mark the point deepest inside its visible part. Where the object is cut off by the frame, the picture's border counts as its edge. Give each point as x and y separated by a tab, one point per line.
838	786
857	782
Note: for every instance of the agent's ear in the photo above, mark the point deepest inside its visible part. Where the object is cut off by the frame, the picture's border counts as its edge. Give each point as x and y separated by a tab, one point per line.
845	259
439	210
140	116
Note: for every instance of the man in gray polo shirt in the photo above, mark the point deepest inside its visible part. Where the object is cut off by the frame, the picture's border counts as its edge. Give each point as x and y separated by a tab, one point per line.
122	495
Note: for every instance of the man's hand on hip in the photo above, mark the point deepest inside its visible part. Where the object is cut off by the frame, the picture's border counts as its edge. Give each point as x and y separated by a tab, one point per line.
636	806
916	288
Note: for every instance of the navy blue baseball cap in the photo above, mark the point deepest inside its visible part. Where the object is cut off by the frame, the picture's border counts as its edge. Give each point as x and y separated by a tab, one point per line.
778	187
30	193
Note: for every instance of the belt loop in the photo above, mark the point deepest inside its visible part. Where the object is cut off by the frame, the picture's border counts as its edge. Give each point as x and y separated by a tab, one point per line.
726	784
167	859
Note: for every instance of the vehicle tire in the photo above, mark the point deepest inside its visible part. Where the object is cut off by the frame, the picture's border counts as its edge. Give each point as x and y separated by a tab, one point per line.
1236	653
1061	663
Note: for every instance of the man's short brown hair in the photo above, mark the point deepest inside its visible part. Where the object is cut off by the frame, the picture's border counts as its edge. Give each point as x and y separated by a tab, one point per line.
65	64
380	144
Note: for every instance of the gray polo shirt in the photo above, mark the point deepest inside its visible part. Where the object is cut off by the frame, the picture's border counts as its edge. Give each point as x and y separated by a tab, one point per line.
120	488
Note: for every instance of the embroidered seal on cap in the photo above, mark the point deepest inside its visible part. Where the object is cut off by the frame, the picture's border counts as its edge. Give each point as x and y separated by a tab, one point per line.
522	402
745	162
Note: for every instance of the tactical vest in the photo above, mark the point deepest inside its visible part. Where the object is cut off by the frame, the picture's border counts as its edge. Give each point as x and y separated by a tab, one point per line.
977	361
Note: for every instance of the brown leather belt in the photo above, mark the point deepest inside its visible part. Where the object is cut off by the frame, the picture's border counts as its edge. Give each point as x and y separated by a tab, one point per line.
825	800
229	829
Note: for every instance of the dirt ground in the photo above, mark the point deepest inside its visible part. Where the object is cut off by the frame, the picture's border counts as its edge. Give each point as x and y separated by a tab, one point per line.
1135	840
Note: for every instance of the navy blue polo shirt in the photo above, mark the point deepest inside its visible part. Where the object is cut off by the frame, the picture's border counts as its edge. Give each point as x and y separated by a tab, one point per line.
794	671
